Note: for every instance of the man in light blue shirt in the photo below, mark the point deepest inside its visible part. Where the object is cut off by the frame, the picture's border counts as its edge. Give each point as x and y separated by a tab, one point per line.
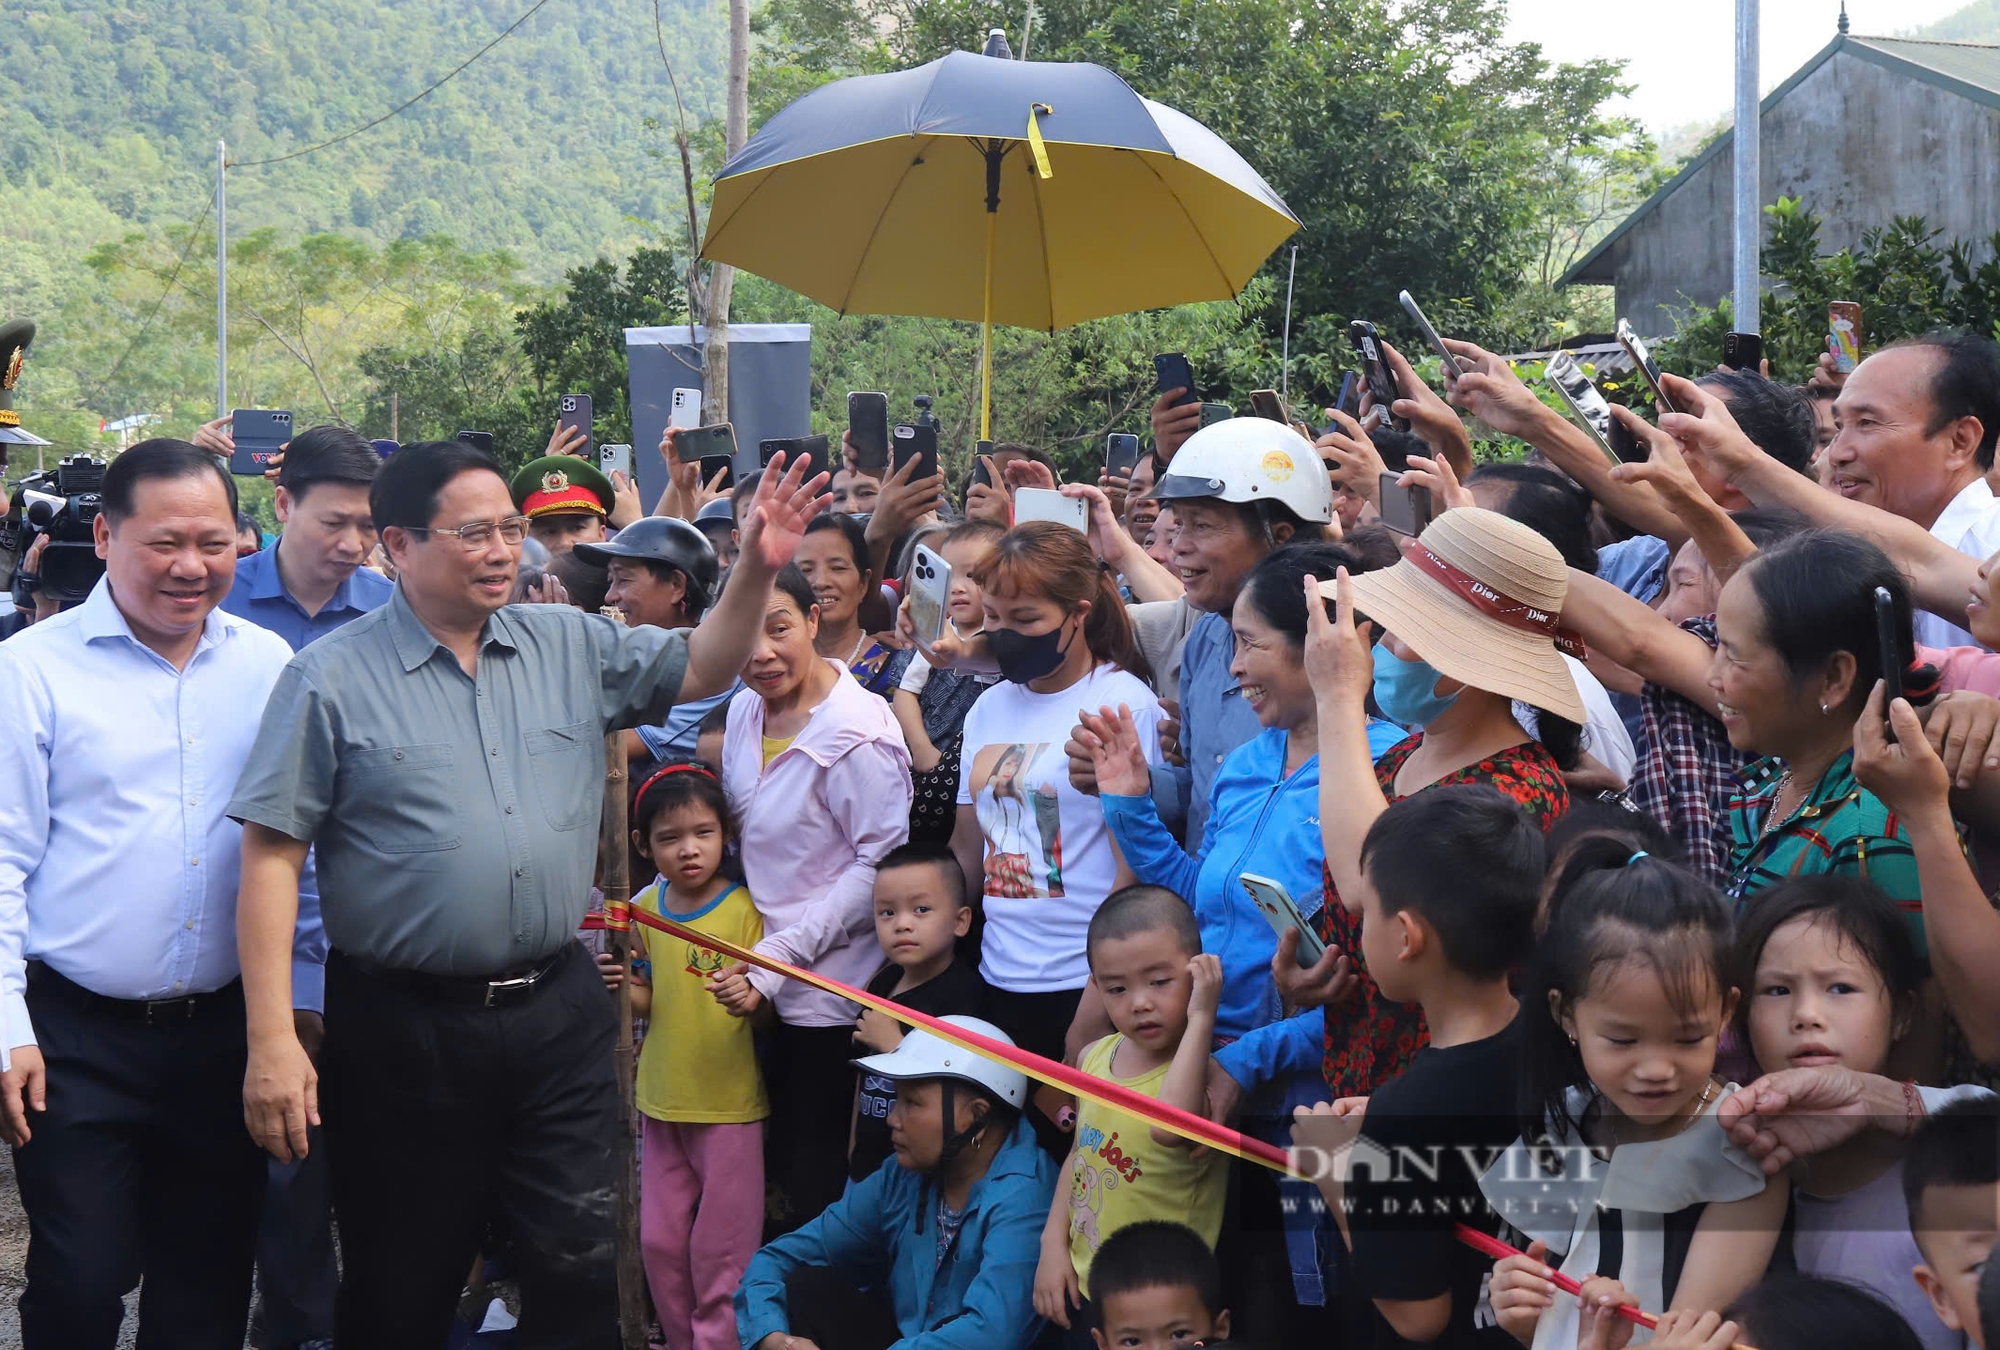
124	724
315	578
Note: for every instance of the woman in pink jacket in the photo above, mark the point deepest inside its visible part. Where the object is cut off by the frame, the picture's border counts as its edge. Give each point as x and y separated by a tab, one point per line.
817	773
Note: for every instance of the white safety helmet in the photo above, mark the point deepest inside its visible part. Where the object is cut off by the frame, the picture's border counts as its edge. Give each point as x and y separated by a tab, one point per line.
1250	459
924	1055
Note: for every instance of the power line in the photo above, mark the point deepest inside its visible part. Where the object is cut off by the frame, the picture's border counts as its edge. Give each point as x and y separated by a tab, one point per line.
194	234
349	135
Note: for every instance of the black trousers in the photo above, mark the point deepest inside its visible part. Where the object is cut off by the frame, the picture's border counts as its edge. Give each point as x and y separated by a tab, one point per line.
811	1084
444	1117
141	1166
1038	1023
296	1273
825	1308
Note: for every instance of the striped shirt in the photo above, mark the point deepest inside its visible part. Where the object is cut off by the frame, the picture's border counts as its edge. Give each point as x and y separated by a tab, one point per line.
1842	828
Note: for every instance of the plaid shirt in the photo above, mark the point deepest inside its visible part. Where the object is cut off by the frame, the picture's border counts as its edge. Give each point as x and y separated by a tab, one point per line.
1687	771
1842	828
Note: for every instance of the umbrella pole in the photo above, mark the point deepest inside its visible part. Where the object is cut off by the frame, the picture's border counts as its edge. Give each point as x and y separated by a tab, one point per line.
994	151
986	337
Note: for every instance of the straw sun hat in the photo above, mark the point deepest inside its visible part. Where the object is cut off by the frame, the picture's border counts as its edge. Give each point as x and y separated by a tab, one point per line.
1477	596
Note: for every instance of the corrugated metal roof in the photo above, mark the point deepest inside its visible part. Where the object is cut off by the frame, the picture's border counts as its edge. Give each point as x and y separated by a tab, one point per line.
1968	69
1976	64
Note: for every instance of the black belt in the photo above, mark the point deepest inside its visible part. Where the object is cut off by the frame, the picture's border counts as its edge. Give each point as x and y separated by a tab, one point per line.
486	991
149	1011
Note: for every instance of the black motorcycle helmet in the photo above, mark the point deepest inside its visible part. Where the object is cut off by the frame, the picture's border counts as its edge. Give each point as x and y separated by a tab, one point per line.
667	542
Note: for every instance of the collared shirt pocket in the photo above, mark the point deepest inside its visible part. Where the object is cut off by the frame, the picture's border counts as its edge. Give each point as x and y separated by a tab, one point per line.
403	798
567	766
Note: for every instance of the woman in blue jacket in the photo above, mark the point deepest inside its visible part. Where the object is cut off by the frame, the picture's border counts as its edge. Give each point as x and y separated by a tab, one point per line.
944	1237
1263	817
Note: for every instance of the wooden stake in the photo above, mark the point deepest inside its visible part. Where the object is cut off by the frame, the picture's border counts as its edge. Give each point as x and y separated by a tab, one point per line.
615	880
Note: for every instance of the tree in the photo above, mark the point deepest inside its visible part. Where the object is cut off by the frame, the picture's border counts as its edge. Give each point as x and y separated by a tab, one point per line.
722	277
1906	283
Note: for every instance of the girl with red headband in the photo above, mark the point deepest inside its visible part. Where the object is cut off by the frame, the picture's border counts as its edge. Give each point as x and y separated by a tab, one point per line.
700	1096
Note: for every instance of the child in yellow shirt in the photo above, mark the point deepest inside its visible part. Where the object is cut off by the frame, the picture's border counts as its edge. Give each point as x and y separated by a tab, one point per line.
701	1198
1161	993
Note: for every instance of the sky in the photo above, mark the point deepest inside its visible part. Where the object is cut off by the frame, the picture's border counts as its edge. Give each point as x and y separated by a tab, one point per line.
1681	58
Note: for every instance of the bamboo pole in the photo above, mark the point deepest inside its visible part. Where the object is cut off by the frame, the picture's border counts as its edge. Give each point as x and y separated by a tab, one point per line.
615	880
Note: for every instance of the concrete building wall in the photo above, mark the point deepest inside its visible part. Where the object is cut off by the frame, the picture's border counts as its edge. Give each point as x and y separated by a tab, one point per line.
1860	144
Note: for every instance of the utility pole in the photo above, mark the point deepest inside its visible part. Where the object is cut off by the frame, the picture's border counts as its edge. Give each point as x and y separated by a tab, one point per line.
1749	206
221	283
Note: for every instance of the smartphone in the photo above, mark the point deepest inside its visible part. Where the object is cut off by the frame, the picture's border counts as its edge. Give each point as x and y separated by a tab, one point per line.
260	435
1121	454
685	414
1406	510
615	458
868	430
1172	371
1589	406
1843	334
1267	405
1275	903
1892	650
1047	504
1211	413
1649	369
1743	351
1349	398
716	442
384	449
482	439
930	591
574	410
1451	365
1367	340
711	465
812	448
918	443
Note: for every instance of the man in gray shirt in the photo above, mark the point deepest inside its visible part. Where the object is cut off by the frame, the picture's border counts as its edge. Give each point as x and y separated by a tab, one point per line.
445	754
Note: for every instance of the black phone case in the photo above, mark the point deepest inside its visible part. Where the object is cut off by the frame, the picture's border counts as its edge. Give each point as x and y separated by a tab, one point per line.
1172	371
711	463
868	429
914	442
258	438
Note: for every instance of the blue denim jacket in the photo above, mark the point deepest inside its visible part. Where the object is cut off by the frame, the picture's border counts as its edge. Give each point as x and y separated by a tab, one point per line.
986	1300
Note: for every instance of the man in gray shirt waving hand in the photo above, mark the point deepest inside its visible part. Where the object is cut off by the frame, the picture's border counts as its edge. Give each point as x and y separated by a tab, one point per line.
445	755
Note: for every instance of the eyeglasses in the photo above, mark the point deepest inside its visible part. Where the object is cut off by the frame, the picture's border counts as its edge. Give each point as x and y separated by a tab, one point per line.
480	533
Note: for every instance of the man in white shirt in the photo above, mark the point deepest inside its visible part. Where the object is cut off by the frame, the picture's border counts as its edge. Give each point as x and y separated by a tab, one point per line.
124	724
1916	424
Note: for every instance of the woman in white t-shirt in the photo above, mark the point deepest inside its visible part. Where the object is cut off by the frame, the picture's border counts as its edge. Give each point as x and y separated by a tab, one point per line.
1039	848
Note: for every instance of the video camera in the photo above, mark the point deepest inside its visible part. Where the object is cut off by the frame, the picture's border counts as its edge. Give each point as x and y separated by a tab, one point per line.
62	503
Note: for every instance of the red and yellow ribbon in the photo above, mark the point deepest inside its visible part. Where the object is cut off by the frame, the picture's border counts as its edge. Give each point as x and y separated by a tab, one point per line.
1186	1124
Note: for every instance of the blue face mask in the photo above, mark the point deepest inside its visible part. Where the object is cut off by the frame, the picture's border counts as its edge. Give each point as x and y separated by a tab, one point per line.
1406	691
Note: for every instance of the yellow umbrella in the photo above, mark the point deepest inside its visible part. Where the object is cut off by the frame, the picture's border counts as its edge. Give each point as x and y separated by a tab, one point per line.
867	195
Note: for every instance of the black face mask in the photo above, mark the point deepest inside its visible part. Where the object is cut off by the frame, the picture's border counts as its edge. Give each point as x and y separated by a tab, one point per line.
1026	656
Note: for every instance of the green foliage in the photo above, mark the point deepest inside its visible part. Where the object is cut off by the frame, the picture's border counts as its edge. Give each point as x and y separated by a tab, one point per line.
1905	283
1418	147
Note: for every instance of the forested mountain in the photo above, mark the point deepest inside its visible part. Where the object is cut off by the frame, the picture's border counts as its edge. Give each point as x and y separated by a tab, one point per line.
1977	22
539	147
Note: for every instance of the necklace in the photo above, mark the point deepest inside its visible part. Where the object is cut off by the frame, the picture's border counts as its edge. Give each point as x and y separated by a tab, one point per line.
1774	822
855	655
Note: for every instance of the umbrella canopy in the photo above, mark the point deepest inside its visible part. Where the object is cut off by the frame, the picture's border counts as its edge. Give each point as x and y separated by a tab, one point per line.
872	196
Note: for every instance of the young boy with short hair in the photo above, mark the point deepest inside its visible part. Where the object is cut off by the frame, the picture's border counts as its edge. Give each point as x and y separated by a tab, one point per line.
1160	992
1951	1182
1450	879
921	911
1157	1286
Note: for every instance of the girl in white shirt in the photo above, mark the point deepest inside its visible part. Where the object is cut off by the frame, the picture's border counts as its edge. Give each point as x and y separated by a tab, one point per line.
1039	848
